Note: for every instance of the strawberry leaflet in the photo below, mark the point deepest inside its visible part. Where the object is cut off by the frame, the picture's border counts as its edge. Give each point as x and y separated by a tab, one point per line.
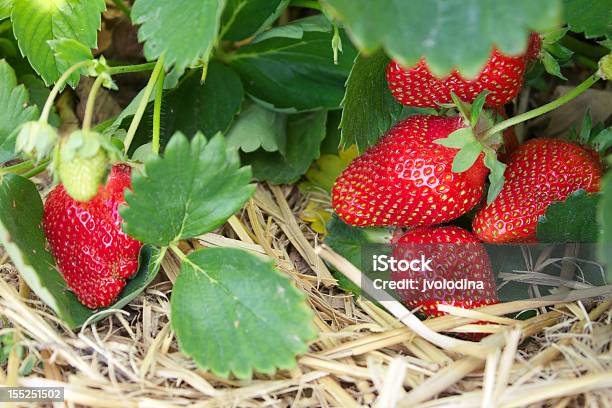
206	185
13	110
244	18
304	134
37	22
368	108
234	313
572	220
185	31
448	34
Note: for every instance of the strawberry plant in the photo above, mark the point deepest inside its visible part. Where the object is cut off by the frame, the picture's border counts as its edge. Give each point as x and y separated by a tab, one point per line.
140	141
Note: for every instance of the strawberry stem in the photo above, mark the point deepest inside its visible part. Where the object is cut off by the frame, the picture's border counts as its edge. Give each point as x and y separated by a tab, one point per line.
25	168
586	84
143	103
157	112
177	251
126	69
91	102
44	116
17	168
37	170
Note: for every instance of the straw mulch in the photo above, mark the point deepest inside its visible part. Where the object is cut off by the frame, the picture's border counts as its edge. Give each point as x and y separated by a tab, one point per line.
365	355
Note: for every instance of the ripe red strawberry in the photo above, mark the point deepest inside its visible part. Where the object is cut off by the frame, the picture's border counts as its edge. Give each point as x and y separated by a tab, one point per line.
540	172
406	179
92	252
456	256
501	75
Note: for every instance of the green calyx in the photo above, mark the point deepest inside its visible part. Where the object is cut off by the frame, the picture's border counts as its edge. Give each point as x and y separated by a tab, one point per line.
82	177
82	163
474	140
605	67
36	140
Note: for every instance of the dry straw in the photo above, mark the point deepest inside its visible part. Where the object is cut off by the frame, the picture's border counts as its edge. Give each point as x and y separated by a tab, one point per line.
366	355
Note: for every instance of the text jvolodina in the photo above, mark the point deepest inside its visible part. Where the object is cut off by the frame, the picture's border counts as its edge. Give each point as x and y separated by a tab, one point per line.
427	284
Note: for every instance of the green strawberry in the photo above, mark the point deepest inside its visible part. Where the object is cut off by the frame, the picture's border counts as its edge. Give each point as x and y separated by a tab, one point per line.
82	165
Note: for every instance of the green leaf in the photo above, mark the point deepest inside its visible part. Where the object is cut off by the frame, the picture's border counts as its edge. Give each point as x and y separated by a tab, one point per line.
369	109
553	36
68	52
449	34
294	73
14	110
234	313
496	174
606	43
551	65
184	31
591	17
35	22
605	220
332	142
466	157
5	8
22	236
258	127
305	132
349	241
244	18
297	28
458	139
572	220
206	185
192	107
109	129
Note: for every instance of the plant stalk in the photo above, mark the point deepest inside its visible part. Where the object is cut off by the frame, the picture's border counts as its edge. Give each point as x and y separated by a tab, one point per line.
143	103
17	168
583	48
157	105
125	69
177	251
586	84
37	170
44	116
91	102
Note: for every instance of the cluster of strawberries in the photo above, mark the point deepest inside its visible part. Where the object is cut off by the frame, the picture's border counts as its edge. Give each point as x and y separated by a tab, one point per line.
406	180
